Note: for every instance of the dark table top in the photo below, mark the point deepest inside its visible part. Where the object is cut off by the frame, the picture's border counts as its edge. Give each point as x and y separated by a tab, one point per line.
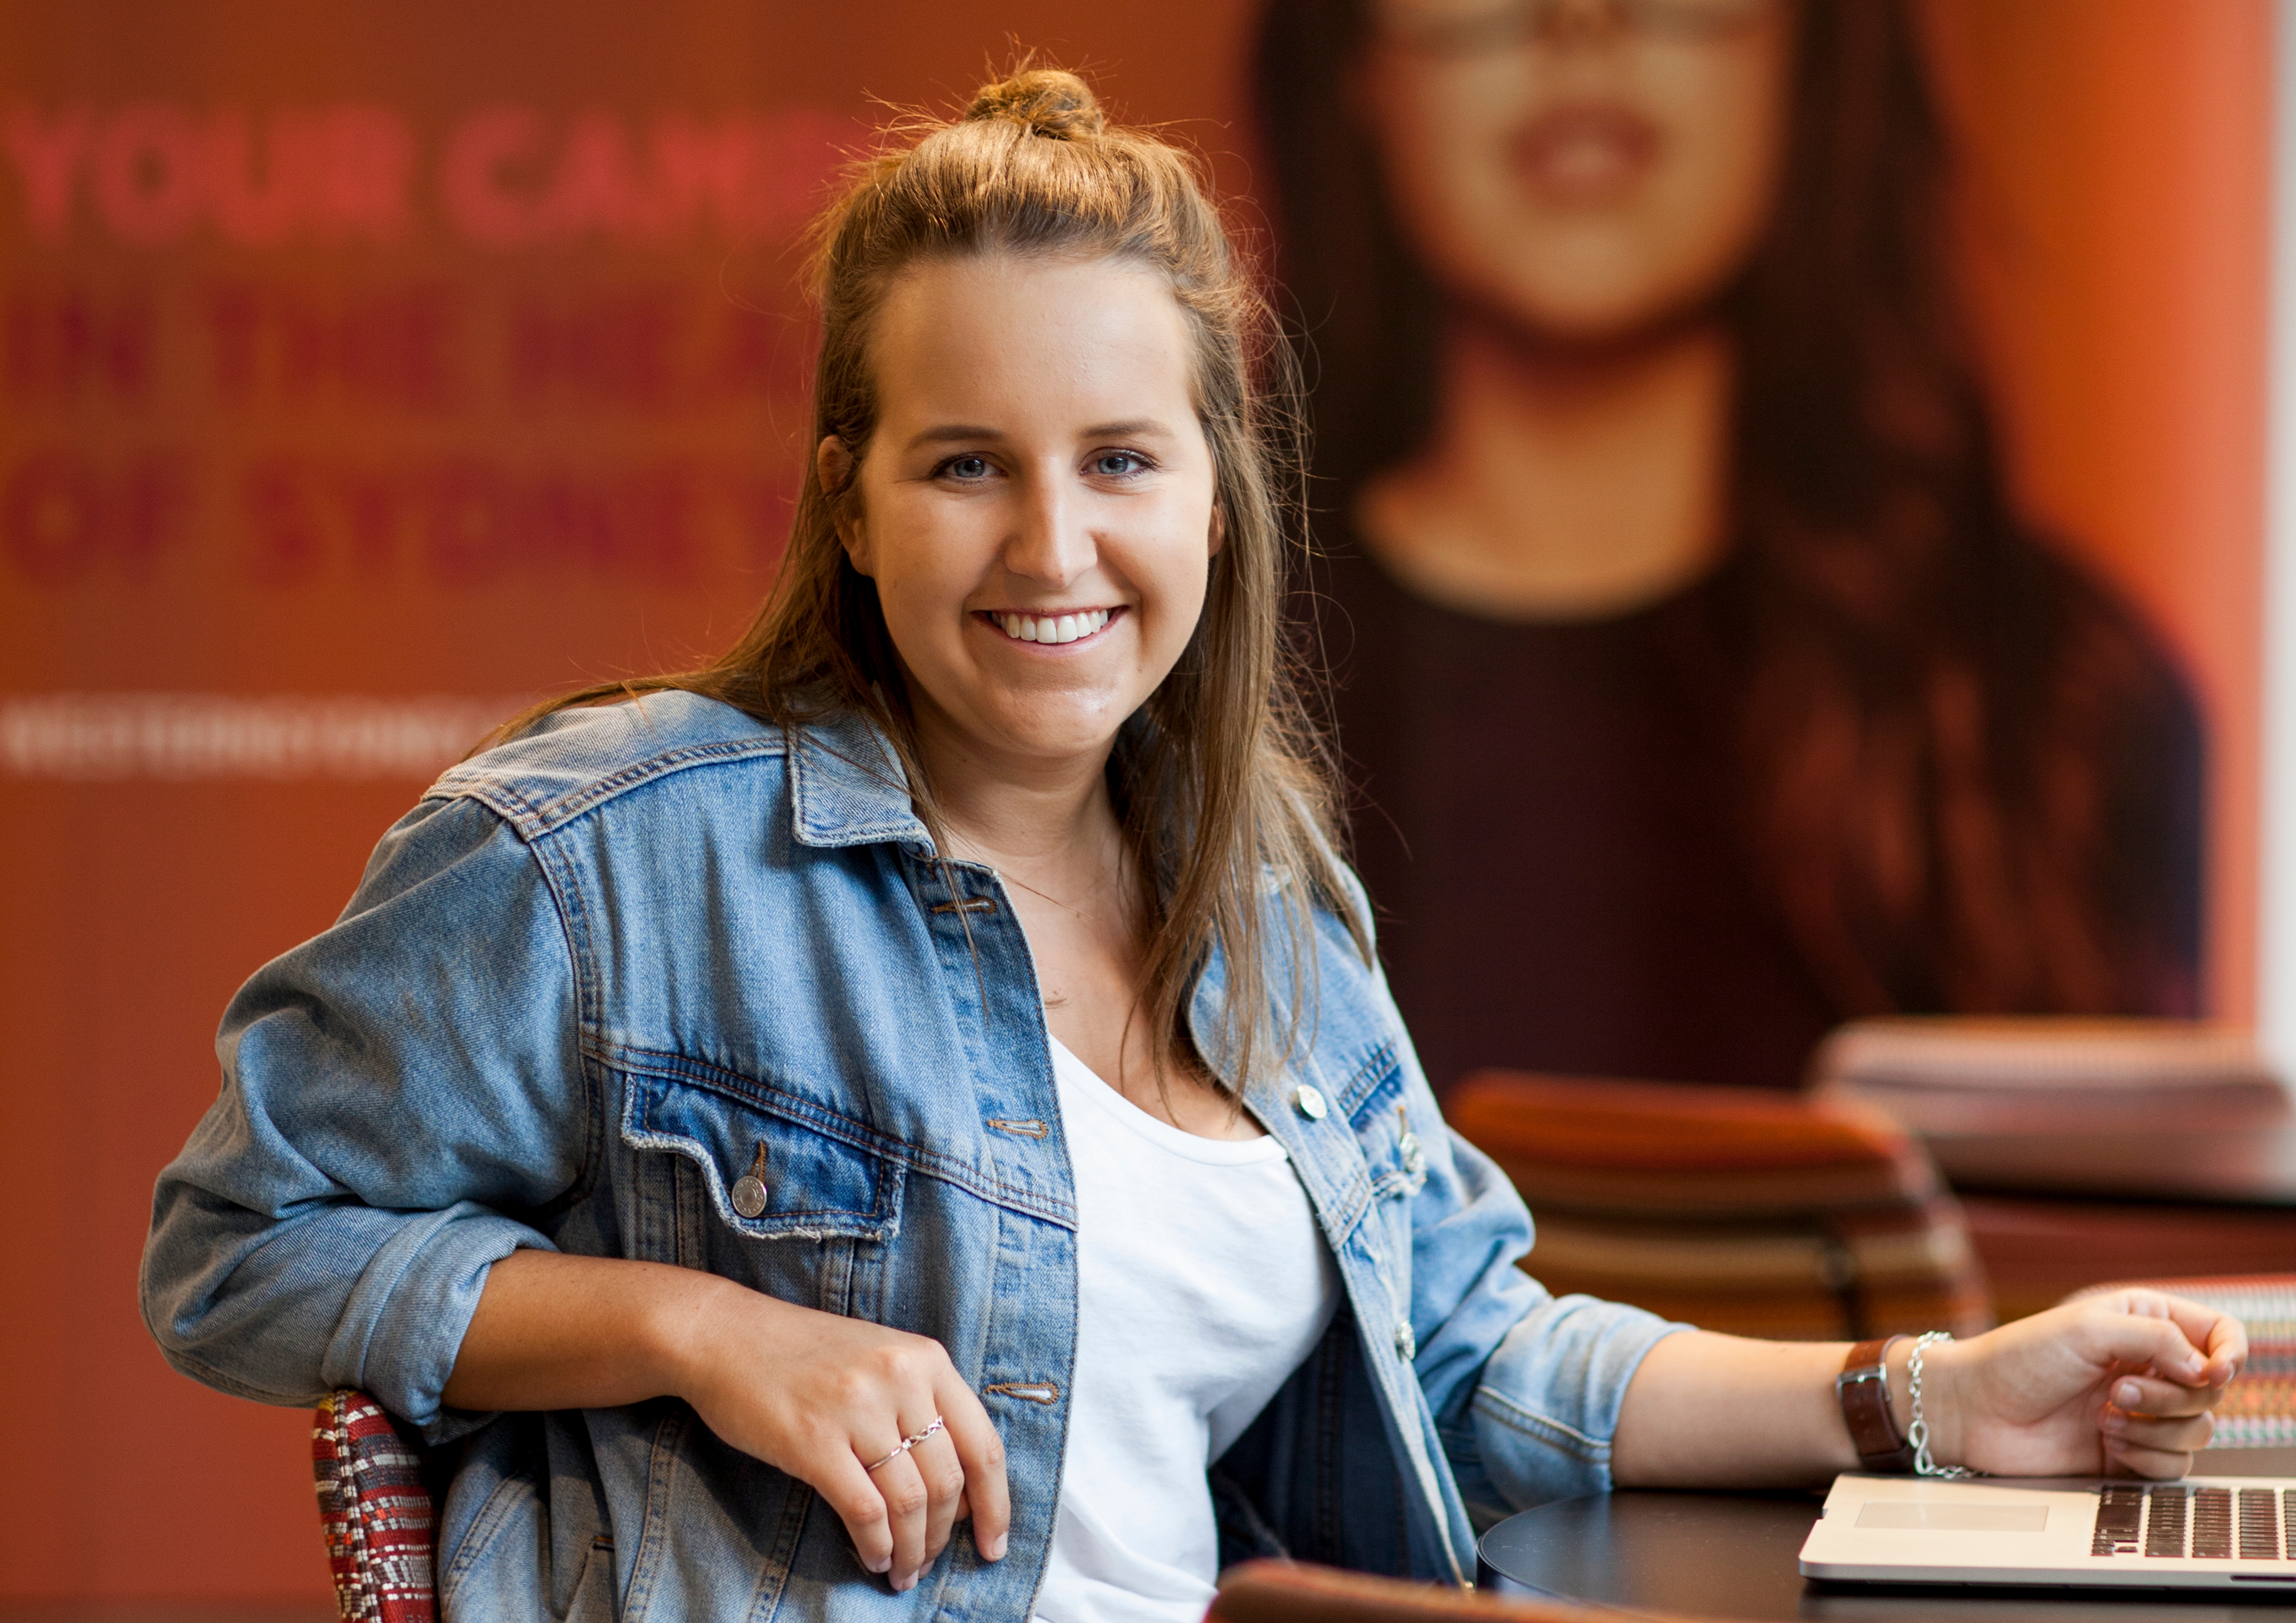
2252	1166
1733	1555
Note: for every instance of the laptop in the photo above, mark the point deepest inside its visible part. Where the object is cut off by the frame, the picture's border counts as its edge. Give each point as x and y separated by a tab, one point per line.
2222	1533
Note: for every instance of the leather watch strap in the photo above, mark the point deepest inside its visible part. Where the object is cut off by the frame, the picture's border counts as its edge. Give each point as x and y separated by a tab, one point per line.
1864	1388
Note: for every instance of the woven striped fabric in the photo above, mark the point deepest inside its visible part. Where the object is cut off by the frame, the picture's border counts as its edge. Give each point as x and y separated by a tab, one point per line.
375	1511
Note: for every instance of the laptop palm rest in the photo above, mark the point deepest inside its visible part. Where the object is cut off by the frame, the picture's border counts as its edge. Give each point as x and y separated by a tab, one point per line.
1954	1518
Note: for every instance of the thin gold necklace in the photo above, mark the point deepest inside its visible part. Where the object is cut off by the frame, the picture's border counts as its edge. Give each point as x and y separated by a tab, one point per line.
1064	907
1067	908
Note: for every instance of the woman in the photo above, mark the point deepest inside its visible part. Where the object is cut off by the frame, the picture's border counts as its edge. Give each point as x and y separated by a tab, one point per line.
1676	556
930	1062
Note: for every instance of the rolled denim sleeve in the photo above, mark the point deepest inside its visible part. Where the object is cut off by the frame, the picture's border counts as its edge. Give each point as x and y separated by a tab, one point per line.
397	1092
1525	1387
1545	1412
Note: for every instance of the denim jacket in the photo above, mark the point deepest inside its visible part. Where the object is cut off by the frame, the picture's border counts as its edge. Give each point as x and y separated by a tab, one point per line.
582	983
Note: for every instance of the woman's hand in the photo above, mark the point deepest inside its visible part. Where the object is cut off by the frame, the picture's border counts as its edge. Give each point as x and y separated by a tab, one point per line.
2116	1383
825	1398
819	1397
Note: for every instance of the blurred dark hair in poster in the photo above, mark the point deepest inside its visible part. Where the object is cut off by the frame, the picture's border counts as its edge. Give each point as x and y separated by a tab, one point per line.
1705	681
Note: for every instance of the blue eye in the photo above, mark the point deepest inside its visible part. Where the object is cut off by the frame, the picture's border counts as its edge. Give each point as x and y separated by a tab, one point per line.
1117	464
966	468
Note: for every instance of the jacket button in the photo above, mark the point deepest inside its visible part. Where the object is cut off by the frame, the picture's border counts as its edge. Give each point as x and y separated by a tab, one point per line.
1309	1103
1415	1159
750	1193
1406	1345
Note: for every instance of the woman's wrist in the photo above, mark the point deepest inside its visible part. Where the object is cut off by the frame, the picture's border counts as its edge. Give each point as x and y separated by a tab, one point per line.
684	1329
556	1332
1941	1410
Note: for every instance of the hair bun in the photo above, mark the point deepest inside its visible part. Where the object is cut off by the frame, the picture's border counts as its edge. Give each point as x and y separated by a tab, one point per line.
1047	101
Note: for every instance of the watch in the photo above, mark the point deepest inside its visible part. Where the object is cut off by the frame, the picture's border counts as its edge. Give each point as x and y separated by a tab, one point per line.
1864	1388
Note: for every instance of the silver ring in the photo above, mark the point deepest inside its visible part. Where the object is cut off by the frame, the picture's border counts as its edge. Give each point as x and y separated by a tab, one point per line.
907	1442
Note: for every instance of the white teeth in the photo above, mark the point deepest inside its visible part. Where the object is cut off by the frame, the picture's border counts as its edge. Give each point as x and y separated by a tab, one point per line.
1050	628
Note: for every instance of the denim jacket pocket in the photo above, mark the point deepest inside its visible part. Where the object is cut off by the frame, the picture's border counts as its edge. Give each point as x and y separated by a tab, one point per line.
767	1164
1376	1099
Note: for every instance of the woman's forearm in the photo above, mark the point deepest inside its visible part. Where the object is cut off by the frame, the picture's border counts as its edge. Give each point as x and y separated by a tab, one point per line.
1709	1410
553	1332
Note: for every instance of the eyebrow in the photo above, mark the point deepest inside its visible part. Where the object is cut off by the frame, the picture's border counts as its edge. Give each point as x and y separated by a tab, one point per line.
949	431
952	433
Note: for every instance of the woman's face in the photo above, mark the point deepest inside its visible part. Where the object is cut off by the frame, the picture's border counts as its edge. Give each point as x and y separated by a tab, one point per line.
1582	168
1037	500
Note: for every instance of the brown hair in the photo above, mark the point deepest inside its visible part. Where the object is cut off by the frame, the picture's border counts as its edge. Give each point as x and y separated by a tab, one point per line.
1935	706
1219	780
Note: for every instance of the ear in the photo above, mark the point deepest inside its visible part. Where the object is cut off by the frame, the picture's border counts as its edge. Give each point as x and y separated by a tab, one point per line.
834	469
1219	531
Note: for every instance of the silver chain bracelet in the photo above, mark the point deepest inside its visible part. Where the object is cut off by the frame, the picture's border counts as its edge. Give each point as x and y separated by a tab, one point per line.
1917	1434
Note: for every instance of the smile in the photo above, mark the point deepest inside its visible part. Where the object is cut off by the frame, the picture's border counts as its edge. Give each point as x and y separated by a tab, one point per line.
1050	627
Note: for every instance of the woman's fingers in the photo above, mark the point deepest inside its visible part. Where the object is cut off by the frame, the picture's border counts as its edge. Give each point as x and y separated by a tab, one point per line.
899	1513
2111	1335
2144	1395
2178	1435
980	1458
2139	1460
2226	1344
943	1474
907	1501
2219	1341
854	1494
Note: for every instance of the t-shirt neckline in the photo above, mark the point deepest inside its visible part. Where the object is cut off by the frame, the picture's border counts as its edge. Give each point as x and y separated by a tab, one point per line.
1089	1085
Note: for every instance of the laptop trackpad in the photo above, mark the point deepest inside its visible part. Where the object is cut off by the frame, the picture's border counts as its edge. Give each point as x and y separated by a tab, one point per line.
1950	1518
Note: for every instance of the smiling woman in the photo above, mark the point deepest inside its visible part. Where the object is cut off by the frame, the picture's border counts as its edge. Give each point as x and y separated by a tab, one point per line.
1059	395
1038	521
741	1112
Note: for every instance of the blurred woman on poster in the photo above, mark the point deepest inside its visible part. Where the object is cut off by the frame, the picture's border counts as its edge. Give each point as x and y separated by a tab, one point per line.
1670	550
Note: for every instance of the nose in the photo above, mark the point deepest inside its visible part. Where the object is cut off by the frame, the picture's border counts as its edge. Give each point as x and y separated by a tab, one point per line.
1581	22
1051	542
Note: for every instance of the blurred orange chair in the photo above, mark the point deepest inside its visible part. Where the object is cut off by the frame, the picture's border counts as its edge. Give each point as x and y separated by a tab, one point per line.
1737	1209
1286	1592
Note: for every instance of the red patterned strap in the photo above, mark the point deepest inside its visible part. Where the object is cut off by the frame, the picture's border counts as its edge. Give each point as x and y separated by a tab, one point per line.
375	1511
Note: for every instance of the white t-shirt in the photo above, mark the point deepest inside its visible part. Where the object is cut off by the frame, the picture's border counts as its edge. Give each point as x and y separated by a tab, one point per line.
1202	1284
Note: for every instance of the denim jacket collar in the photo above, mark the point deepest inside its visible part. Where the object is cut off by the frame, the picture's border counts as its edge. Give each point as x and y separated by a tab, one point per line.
847	786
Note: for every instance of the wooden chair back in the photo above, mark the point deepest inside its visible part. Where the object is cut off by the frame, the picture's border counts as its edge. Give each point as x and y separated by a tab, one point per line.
1757	1213
1291	1592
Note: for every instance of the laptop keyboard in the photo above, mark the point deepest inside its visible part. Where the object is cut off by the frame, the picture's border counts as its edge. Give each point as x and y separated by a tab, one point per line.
2205	1523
